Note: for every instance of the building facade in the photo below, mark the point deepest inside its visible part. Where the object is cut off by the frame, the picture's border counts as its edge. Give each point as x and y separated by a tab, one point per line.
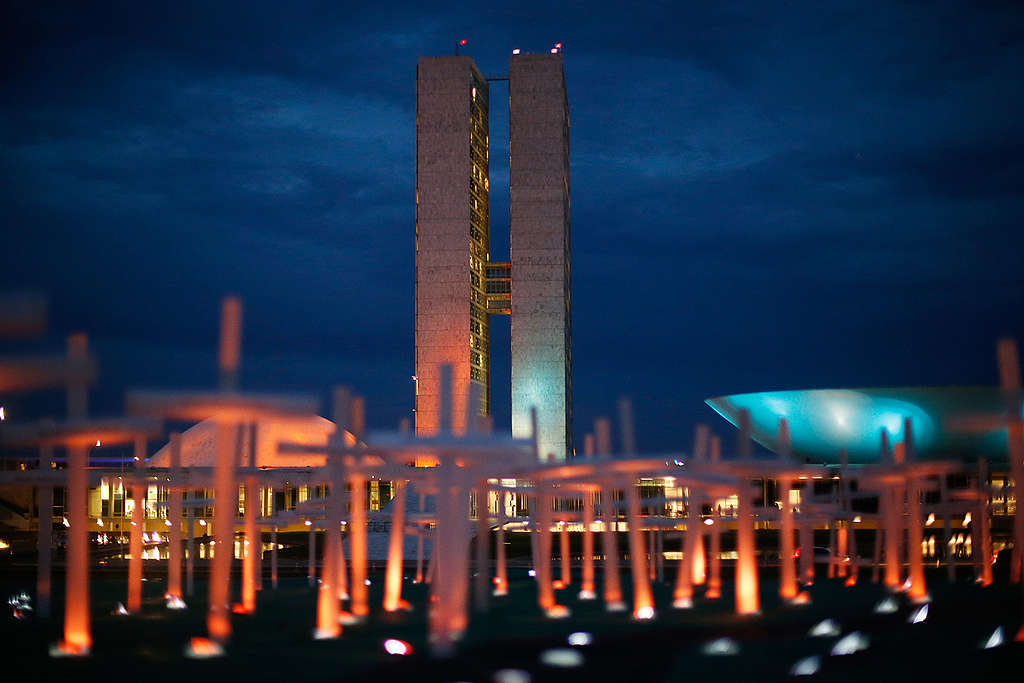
453	306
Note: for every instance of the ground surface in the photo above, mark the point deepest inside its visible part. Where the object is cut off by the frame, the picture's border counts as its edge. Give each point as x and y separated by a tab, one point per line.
276	643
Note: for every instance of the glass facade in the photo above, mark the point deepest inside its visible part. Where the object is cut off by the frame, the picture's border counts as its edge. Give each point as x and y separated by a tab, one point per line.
479	240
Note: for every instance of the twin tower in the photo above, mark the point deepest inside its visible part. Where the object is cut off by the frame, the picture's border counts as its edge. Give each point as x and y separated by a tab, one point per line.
458	286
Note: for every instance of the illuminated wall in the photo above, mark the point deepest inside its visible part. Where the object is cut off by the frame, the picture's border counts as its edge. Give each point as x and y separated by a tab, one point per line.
452	214
540	255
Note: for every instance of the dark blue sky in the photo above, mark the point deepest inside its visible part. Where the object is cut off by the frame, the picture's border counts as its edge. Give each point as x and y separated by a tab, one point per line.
764	195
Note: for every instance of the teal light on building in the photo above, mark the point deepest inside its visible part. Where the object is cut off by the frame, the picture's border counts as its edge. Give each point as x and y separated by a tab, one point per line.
948	422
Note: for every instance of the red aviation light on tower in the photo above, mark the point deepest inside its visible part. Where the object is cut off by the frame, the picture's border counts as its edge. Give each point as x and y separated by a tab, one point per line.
463	41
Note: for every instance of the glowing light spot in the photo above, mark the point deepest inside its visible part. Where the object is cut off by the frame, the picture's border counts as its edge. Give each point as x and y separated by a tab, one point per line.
645	612
511	675
516	51
709	521
850	643
967	519
721	647
532	572
930	520
119	611
98	444
308	523
203	648
808	666
463	41
3	414
994	640
66	522
558	45
99	522
558	584
202	522
175	602
558	612
580	638
561	657
826	628
919	615
393	646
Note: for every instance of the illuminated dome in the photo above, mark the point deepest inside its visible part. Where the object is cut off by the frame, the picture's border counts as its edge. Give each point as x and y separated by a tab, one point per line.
948	422
198	443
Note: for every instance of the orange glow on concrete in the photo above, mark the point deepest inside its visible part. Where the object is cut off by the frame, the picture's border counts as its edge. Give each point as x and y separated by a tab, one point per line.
501	570
393	574
918	591
138	492
564	551
842	544
642	597
251	546
699	566
612	584
747	598
204	647
787	575
77	633
218	618
357	542
545	586
174	517
558	584
587	584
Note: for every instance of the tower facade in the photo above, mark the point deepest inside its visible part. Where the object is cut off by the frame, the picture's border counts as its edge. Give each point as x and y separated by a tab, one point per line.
452	216
540	254
457	285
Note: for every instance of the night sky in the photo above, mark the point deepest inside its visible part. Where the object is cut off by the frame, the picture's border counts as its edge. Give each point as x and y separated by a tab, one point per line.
764	195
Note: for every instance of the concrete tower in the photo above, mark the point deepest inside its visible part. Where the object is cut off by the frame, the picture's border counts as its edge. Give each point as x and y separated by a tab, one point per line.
457	286
452	214
540	256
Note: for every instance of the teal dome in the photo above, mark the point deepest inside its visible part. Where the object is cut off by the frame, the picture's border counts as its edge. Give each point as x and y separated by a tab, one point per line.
948	422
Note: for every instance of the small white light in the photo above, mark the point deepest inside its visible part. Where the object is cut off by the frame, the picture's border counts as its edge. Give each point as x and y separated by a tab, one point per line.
66	522
174	602
554	50
202	522
824	629
646	612
99	522
930	520
808	666
919	615
967	519
167	522
850	643
511	676
721	647
393	646
97	443
532	572
856	519
515	51
887	606
309	523
580	638
709	521
3	414
561	657
366	582
994	640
